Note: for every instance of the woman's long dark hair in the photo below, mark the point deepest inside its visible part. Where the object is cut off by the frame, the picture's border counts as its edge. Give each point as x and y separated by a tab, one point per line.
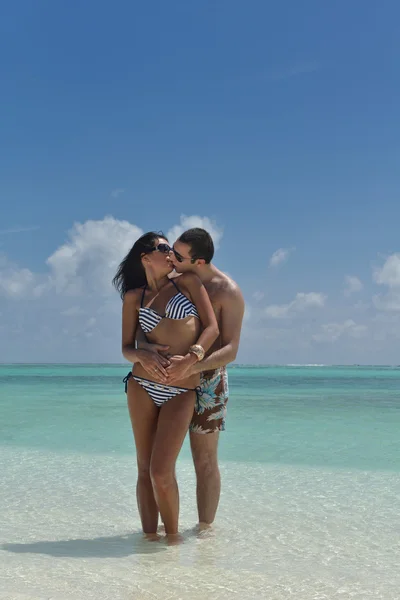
131	273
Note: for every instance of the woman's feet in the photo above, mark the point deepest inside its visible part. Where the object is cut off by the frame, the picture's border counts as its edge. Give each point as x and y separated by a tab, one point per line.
152	537
173	539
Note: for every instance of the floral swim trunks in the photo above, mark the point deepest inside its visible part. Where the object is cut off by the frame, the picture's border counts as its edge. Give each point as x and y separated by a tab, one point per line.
210	408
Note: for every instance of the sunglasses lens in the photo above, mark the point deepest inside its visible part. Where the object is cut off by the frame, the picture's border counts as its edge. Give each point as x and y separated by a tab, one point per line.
164	248
177	255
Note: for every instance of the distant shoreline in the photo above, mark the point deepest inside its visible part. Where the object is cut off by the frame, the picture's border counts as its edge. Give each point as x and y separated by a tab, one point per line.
233	365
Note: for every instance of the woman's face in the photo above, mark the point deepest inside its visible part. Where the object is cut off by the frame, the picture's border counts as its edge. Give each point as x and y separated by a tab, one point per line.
158	260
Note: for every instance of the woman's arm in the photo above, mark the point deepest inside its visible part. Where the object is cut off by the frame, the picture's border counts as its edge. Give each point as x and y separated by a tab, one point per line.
129	326
181	364
201	300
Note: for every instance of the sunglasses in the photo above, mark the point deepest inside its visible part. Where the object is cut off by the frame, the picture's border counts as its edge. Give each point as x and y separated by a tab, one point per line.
181	258
164	248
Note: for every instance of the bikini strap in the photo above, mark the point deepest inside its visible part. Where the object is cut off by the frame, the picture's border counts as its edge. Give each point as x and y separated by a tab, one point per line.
141	302
172	281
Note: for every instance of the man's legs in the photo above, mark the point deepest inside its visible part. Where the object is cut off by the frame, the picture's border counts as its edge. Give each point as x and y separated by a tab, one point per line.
208	420
204	452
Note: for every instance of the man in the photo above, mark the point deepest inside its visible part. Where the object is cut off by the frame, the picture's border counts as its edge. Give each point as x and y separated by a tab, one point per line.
193	251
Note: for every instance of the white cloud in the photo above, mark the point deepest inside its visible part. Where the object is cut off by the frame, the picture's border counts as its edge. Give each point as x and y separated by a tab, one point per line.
89	259
117	192
353	285
247	313
277	311
14	281
86	262
302	301
70	312
389	273
331	332
279	256
186	222
387	302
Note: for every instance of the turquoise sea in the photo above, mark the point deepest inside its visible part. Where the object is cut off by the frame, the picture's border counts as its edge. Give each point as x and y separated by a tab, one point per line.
310	508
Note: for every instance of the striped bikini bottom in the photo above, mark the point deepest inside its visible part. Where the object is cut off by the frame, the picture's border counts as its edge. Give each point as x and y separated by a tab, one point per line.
158	392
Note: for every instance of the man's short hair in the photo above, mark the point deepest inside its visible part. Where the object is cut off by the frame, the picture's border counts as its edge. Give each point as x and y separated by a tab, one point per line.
200	242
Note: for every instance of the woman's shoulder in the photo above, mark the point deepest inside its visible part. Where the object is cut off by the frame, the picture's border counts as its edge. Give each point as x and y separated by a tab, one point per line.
132	296
188	280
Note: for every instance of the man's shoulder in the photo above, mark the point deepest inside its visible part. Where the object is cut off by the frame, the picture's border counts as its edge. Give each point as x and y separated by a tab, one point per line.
230	298
225	285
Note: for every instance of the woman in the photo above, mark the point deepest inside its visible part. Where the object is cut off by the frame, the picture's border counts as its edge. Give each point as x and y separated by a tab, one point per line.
182	318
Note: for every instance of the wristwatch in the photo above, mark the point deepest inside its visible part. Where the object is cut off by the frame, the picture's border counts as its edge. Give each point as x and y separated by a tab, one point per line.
197	350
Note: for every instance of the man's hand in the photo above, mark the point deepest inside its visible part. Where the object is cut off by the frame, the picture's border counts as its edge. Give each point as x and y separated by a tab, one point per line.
154	363
180	367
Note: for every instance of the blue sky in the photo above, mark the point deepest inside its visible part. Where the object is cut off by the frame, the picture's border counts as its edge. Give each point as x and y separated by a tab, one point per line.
276	124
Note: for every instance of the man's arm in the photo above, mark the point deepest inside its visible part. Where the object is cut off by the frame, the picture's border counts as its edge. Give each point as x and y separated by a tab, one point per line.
232	311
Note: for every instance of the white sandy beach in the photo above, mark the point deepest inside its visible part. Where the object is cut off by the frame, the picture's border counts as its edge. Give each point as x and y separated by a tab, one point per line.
71	532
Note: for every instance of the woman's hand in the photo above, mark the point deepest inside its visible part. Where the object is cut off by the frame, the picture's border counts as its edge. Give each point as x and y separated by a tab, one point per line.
179	367
154	364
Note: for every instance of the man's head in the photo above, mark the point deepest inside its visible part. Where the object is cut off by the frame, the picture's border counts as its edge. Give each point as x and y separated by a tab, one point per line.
192	249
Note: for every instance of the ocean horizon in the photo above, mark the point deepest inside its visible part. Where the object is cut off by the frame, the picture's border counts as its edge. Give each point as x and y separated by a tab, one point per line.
231	366
310	465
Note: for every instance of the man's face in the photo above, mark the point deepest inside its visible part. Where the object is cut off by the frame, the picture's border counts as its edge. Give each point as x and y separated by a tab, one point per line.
181	259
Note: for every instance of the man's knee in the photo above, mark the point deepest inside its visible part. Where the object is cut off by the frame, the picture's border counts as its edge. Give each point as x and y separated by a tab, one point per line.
204	452
206	469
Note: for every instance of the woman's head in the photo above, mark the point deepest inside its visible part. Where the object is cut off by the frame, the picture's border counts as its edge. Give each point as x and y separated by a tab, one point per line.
148	256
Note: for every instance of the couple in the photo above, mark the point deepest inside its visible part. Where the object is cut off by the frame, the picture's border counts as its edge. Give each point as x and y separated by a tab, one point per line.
181	323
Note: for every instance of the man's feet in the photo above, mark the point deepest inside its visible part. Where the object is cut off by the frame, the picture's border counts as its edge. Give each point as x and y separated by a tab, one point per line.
203	526
204	529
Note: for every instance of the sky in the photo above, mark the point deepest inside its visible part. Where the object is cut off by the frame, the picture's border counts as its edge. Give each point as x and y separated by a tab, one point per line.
274	125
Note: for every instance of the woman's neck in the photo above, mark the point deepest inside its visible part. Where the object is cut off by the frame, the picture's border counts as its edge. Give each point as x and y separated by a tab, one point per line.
155	284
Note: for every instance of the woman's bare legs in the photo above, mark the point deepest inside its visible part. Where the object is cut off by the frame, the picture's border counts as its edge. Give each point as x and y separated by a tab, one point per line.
173	424
144	416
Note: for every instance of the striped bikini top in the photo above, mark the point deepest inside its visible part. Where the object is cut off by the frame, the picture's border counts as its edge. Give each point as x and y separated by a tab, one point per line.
178	307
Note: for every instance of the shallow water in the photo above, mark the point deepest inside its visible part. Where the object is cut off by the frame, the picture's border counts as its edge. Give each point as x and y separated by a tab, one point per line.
310	507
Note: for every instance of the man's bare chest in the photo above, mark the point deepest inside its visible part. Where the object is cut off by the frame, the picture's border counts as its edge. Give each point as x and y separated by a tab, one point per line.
214	293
